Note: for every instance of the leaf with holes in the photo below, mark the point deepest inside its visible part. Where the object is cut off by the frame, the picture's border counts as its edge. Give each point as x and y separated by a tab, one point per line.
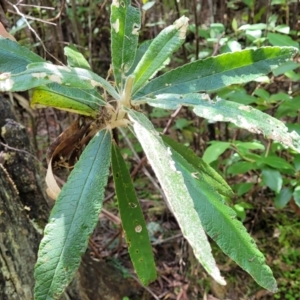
125	23
178	197
38	74
219	71
133	221
159	52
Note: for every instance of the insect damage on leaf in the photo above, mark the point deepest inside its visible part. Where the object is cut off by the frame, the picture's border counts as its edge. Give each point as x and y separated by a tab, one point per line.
6	83
135	29
55	78
39	75
182	25
116	3
116	25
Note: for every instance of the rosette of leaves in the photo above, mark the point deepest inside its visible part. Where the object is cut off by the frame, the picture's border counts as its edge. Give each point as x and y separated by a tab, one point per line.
194	191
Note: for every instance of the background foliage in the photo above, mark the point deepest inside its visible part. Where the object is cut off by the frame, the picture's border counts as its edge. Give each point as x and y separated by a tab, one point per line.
264	175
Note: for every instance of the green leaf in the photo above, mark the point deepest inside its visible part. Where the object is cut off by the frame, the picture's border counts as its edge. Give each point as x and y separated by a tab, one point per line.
243	188
175	190
276	162
297	162
220	223
288	66
81	101
226	111
216	72
272	179
75	58
254	145
159	51
282	199
240	167
296	195
14	58
204	172
214	151
139	54
125	23
72	220
44	73
133	221
276	39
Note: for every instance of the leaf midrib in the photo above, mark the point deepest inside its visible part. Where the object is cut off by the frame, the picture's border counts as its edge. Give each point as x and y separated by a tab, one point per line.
157	91
75	213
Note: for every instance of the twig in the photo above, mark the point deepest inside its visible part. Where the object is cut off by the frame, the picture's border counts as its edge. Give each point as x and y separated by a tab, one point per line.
217	46
34	32
167	239
32	18
146	288
173	116
20	150
133	173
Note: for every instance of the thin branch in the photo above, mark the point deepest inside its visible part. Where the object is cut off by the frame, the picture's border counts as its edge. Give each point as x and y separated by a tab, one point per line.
33	31
146	288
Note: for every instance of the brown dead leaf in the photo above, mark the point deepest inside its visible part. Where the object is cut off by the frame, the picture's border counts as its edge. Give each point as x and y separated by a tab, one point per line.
66	149
5	34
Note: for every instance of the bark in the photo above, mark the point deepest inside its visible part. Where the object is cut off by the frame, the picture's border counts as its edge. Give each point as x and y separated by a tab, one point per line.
24	210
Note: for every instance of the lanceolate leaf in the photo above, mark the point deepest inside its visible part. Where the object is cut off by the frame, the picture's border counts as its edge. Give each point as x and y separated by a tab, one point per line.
241	115
176	192
139	54
75	58
82	101
220	222
44	73
125	24
159	51
219	71
133	221
72	220
14	58
203	171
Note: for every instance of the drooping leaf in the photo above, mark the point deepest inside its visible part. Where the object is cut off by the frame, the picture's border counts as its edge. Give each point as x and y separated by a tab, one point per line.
220	223
204	172
296	195
75	58
72	220
272	178
277	39
82	101
159	51
176	192
125	23
276	162
284	196
227	111
219	71
44	73
213	151
133	221
241	167
14	58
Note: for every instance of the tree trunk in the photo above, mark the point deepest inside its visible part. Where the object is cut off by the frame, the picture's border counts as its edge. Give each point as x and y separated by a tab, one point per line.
24	212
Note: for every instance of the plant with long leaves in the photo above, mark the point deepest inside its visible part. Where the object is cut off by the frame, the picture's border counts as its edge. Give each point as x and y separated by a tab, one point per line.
195	193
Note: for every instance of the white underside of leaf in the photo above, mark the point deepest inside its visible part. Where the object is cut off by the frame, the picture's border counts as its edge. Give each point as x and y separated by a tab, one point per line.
177	195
